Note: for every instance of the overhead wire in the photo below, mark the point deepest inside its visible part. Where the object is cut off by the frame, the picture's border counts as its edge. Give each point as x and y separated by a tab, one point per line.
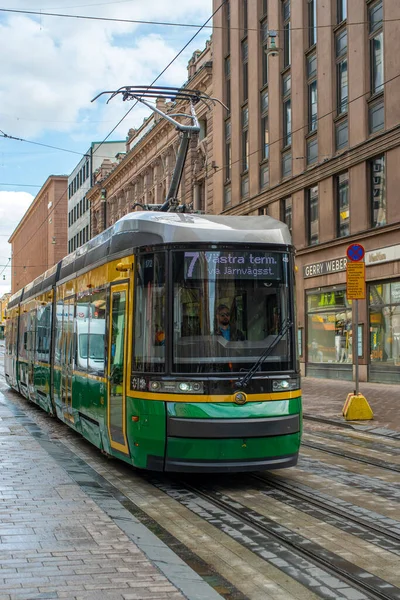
177	24
126	114
21	185
17	139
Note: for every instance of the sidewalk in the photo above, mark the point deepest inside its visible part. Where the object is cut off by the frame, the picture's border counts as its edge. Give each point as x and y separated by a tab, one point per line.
324	398
65	535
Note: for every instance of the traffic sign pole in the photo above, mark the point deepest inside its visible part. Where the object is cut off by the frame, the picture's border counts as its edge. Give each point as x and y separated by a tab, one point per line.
356	405
355	337
356	291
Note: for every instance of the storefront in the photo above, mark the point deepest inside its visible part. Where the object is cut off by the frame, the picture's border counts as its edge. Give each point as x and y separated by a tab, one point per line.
327	339
329	333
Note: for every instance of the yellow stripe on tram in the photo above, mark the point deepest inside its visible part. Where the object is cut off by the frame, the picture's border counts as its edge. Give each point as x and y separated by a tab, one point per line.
267	397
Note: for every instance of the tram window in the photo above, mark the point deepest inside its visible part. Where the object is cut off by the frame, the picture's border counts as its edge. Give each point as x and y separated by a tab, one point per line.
31	337
96	333
43	333
58	335
23	335
150	318
229	307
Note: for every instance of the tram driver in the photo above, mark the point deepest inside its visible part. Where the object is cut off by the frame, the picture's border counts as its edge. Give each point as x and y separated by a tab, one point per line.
225	327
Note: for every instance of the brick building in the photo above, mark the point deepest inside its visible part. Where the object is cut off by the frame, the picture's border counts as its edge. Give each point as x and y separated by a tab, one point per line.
40	238
313	138
144	173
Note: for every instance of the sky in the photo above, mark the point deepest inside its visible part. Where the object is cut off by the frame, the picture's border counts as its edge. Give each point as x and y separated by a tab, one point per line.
52	67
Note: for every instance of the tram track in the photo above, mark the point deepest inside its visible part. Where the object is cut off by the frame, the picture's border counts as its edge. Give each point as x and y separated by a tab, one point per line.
308	497
302	559
373	462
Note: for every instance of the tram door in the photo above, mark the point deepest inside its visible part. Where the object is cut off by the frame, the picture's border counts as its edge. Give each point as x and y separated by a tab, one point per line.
116	367
67	357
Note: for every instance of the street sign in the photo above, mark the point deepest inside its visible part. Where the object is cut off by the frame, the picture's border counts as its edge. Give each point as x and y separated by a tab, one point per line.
355	252
355	272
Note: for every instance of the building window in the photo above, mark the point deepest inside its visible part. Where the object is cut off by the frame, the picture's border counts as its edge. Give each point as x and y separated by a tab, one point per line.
312	92
287	111
245	186
329	327
342	134
227	18
341	71
264	176
286	164
312	22
375	20
312	150
286	212
228	81
312	212
245	138
264	50
245	17
228	150
378	191
264	6
341	10
342	205
227	196
376	117
245	70
264	125
286	33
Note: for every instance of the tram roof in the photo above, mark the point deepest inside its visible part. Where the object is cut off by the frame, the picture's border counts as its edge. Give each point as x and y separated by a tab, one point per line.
147	228
190	227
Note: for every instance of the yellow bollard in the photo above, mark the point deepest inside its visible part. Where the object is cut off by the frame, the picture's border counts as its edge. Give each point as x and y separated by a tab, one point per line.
356	408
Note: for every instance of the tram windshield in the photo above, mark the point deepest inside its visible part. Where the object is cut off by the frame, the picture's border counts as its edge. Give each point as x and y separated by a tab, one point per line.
228	307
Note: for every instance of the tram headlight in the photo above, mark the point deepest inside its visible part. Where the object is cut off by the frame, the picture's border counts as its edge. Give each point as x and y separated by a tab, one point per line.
176	387
285	385
184	386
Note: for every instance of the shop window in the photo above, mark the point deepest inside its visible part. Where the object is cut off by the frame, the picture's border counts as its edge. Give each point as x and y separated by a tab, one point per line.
329	336
384	323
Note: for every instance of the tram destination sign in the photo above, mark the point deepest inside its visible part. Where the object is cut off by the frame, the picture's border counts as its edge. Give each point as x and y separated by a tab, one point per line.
233	265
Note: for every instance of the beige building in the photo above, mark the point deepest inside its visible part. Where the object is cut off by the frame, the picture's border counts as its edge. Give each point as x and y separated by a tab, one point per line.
313	138
40	239
143	174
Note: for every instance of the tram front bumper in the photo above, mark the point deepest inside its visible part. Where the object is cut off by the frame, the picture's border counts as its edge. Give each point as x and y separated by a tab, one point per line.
212	445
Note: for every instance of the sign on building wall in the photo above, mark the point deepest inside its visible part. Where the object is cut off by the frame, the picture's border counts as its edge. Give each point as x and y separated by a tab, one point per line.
324	267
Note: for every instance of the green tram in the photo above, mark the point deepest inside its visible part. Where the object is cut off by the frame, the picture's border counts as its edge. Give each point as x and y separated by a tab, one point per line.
168	341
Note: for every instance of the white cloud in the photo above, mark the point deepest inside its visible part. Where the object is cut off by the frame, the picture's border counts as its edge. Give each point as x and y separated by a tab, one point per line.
13	206
55	66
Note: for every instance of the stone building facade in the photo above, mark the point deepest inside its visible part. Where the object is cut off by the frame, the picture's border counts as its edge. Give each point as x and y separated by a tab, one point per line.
313	138
40	238
143	174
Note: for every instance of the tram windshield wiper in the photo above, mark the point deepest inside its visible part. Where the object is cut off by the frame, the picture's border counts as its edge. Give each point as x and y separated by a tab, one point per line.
245	380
